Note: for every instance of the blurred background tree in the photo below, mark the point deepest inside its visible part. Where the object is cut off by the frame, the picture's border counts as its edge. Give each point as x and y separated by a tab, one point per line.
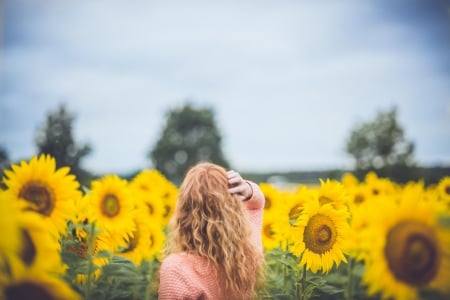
381	145
190	135
55	137
4	159
4	163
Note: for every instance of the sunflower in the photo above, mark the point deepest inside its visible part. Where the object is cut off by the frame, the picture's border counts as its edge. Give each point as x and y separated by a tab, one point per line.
380	186
78	242
39	250
157	240
358	223
289	211
46	190
79	238
146	242
138	247
35	285
349	180
322	233
169	199
274	198
358	195
10	240
151	204
408	249
270	239
414	190
443	190
157	191
332	191
151	181
112	207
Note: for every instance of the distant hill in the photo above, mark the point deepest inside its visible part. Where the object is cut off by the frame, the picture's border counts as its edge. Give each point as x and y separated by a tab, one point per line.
430	175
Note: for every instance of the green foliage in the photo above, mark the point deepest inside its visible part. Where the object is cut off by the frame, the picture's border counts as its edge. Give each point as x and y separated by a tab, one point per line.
56	138
118	279
189	136
122	279
380	143
286	280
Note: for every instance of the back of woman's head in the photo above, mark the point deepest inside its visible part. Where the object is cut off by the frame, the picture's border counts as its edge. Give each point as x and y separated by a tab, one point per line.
212	223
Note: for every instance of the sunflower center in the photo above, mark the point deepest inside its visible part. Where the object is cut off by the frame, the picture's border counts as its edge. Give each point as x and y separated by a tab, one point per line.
151	209
324	200
267	203
152	240
40	195
167	210
133	242
412	253
81	250
27	290
324	235
358	199
320	234
28	252
144	187
294	212
447	189
110	206
268	232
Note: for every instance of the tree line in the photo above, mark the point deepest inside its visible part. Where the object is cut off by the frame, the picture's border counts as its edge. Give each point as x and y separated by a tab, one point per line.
191	134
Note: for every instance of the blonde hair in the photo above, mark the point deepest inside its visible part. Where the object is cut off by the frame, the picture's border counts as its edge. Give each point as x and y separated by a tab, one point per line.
212	223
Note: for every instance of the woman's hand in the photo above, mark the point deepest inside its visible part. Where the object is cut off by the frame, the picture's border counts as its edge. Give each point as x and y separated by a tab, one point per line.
238	186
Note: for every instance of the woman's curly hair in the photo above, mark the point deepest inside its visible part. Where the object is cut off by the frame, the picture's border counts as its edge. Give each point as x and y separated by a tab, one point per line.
211	223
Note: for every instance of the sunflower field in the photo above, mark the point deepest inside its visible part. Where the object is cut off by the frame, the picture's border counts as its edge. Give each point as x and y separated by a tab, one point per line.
347	239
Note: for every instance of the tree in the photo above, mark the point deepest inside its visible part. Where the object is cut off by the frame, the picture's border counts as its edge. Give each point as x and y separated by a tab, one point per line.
56	139
380	143
190	136
4	158
4	163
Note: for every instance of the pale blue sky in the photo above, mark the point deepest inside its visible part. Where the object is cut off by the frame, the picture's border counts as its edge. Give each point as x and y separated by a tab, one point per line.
288	79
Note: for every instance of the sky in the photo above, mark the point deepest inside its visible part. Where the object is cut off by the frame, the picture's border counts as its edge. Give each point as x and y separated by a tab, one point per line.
288	80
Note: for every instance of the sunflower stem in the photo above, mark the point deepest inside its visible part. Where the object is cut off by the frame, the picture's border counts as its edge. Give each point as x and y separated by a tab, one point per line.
297	287
90	261
303	283
150	272
349	294
285	269
147	290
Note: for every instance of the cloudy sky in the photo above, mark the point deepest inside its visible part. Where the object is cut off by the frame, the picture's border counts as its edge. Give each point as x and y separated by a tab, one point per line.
288	79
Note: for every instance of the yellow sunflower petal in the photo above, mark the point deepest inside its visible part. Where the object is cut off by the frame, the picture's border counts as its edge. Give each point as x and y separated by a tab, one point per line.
46	190
35	285
112	207
407	248
322	231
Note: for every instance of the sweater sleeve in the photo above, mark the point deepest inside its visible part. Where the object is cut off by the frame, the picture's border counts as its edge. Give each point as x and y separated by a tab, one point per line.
175	284
257	201
255	209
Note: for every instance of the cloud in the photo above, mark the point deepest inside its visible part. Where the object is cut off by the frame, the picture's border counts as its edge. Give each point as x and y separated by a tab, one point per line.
288	80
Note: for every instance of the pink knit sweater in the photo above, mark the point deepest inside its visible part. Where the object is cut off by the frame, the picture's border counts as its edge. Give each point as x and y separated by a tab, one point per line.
185	276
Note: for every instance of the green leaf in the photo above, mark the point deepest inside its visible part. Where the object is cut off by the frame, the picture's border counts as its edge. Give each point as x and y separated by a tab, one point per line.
282	297
329	289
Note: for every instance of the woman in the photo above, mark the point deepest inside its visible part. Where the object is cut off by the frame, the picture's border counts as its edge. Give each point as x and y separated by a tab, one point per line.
214	248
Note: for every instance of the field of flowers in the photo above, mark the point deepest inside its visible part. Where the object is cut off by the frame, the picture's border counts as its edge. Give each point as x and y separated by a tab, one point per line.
346	239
